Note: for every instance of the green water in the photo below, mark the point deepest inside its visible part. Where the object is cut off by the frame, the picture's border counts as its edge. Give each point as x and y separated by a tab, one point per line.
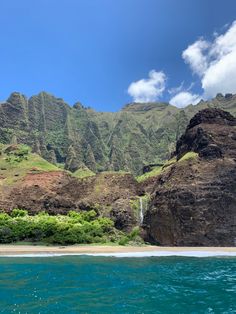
83	284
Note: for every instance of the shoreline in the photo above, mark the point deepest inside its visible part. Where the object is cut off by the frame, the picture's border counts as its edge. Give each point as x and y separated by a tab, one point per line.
116	251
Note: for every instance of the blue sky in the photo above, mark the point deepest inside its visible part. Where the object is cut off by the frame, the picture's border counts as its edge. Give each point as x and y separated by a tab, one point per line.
93	50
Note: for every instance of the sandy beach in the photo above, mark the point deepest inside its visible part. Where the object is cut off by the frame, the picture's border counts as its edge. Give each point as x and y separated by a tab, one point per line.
37	250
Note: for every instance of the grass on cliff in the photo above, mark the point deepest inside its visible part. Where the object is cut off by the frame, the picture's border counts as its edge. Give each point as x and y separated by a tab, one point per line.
74	228
156	171
17	160
159	170
153	173
187	156
83	173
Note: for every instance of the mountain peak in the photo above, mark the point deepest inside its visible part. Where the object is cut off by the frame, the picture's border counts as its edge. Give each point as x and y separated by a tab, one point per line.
16	98
210	133
212	115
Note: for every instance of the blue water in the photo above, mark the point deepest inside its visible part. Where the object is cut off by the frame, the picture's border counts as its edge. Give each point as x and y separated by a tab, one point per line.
81	284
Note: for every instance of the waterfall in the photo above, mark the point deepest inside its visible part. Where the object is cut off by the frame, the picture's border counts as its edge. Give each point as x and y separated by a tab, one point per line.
141	210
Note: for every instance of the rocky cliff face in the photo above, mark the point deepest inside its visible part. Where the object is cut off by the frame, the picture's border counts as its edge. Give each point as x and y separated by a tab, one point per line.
193	196
75	136
27	181
194	200
57	192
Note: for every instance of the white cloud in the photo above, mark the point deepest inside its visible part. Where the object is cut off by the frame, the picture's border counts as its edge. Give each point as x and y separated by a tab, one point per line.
194	56
150	89
221	76
184	98
175	90
215	62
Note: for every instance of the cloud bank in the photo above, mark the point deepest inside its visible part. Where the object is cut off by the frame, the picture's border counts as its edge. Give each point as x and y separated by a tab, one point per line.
150	89
184	98
212	62
194	56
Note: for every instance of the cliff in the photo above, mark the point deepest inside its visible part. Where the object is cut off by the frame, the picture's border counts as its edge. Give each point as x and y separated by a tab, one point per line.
76	136
192	196
29	182
193	201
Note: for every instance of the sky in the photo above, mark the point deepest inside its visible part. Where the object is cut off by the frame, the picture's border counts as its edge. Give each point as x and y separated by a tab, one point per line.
107	53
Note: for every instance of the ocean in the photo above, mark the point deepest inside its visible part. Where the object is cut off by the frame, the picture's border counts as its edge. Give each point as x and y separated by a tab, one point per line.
89	284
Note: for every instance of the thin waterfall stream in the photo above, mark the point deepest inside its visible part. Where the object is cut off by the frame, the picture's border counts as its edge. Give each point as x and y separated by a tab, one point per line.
141	210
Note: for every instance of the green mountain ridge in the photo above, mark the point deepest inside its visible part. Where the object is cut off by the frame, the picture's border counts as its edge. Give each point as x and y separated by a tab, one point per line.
188	200
77	137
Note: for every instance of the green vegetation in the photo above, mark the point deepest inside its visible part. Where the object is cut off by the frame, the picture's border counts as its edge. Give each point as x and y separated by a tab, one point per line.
74	228
83	172
189	155
119	172
84	227
155	172
139	134
132	238
159	170
17	160
169	163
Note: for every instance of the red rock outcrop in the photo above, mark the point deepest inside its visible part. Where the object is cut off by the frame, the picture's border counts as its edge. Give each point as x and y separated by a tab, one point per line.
58	192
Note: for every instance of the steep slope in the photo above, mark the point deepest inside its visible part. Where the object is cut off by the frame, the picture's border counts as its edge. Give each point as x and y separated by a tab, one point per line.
27	181
75	137
194	200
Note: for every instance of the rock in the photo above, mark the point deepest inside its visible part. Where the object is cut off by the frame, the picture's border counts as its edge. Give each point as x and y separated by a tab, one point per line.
11	149
206	130
211	151
212	116
228	96
123	215
57	192
193	202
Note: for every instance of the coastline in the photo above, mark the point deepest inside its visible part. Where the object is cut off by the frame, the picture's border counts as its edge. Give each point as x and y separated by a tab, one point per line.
117	251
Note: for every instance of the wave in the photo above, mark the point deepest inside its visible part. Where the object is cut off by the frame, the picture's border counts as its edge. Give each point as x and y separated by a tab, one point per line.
133	254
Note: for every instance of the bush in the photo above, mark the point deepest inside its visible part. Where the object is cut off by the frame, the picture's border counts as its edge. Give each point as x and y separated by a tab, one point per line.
82	227
134	233
18	212
124	240
133	237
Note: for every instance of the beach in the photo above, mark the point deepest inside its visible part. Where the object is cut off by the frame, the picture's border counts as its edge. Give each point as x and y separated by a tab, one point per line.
106	250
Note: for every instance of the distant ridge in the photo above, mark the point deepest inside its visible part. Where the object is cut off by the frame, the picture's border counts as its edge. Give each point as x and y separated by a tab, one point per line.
138	135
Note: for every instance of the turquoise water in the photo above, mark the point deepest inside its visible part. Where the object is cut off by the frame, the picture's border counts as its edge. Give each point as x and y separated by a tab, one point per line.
83	284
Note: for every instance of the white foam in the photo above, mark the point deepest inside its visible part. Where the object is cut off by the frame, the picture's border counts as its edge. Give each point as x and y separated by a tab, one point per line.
198	253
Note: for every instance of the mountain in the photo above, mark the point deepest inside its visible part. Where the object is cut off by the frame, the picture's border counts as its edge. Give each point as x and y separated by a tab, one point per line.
77	137
189	200
193	200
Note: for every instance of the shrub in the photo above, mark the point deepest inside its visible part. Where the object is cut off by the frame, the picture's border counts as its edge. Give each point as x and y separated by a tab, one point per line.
18	212
124	240
82	227
134	233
